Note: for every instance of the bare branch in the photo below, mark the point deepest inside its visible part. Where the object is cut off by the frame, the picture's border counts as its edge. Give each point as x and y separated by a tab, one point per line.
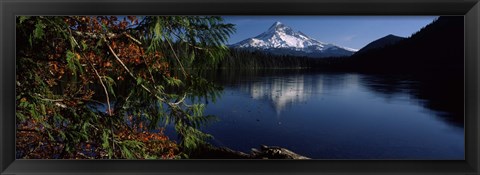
47	99
107	35
132	38
181	100
109	110
176	57
129	72
150	72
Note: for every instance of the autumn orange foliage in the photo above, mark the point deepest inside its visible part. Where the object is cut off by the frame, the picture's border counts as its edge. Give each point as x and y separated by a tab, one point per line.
95	35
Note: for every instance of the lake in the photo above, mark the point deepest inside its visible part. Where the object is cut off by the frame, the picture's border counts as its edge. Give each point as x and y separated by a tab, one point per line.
332	115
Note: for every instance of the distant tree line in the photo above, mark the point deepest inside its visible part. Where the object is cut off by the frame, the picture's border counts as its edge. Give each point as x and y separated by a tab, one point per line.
244	59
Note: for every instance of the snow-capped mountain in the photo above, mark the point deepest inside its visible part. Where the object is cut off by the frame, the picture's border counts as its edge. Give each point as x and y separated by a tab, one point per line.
282	40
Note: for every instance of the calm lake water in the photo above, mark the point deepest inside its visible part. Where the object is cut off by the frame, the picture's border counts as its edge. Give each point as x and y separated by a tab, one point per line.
325	115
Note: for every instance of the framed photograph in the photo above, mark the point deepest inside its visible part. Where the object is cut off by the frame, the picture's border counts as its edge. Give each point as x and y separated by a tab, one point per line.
268	87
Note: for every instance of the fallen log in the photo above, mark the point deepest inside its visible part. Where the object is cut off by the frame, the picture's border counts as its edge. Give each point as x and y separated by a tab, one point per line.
275	152
265	152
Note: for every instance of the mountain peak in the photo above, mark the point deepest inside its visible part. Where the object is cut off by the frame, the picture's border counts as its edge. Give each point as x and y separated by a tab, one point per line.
278	26
392	35
283	40
381	42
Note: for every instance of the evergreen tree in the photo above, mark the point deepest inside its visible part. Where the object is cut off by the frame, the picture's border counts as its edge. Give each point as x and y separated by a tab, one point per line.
135	66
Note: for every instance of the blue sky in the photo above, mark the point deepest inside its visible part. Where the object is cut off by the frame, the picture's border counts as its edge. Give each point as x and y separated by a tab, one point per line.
348	31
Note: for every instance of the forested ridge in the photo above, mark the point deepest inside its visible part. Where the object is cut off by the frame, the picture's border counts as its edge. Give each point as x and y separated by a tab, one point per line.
437	46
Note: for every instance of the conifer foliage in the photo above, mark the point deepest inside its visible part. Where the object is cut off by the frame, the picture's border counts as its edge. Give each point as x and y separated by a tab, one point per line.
94	87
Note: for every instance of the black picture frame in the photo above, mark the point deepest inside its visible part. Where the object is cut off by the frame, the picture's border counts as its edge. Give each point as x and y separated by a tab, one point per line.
11	8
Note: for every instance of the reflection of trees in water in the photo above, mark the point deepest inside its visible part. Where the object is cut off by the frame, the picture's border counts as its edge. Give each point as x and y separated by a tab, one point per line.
440	92
388	85
282	88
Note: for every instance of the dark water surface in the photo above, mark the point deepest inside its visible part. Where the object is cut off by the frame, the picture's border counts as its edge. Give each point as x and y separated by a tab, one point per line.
325	115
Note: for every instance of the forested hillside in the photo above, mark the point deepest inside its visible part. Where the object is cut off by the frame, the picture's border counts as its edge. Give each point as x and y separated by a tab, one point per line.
439	45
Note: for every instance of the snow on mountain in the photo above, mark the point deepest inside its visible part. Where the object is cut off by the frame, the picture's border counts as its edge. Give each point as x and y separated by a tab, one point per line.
282	40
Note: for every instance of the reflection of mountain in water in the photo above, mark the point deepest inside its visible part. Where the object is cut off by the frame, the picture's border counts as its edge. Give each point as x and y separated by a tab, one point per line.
283	90
439	92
